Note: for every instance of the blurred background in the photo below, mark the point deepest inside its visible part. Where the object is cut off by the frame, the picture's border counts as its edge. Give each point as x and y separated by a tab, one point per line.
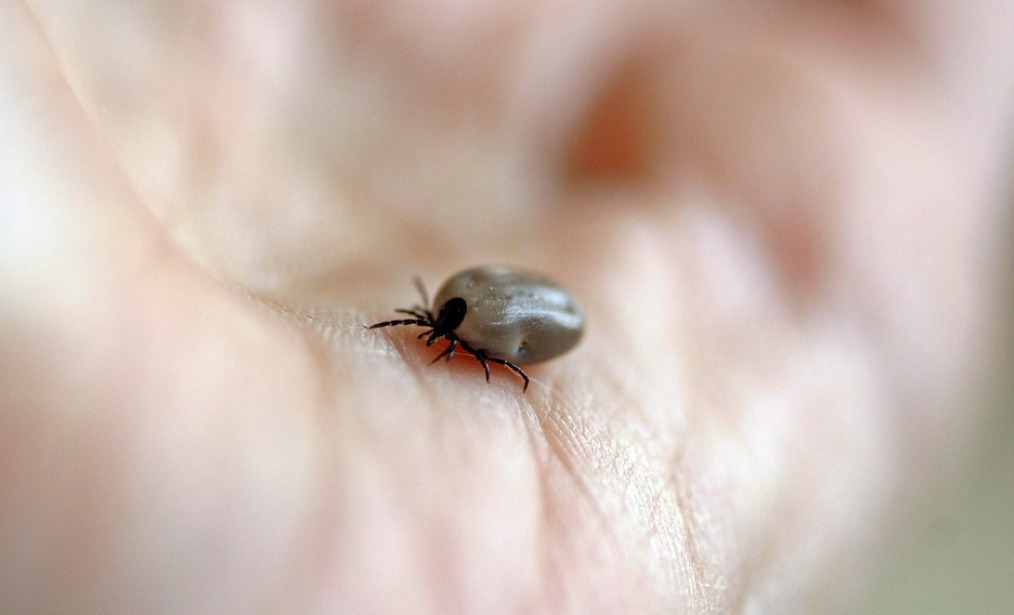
957	555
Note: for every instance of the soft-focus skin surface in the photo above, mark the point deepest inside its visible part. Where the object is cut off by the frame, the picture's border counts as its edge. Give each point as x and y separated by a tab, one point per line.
777	216
514	315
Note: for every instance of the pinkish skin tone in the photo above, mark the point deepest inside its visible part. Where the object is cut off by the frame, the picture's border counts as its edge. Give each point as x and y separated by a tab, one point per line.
780	219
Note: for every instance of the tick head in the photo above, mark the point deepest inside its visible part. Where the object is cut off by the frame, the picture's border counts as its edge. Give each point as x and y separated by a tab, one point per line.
451	313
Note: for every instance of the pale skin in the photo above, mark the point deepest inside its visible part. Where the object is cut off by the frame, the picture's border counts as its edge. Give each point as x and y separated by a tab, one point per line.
782	223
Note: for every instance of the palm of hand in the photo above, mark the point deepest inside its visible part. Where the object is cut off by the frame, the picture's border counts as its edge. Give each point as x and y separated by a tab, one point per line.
193	404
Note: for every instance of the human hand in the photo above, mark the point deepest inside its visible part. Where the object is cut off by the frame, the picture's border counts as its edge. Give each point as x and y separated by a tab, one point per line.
775	217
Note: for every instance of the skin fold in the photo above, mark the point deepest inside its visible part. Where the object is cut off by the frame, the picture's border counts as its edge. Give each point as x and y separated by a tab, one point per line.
782	220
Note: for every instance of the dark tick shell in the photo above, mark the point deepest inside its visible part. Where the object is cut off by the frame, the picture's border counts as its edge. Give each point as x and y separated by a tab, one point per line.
514	315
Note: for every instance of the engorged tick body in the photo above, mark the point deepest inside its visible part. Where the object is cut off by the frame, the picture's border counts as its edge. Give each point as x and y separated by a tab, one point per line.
498	315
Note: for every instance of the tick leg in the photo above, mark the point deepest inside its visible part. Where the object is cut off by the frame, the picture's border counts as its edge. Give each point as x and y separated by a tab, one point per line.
407	321
485	366
418	313
422	291
448	352
485	360
480	356
517	370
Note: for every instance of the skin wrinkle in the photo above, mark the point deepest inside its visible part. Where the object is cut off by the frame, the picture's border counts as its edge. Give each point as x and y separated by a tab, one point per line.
680	526
642	486
555	551
547	561
675	467
668	524
559	429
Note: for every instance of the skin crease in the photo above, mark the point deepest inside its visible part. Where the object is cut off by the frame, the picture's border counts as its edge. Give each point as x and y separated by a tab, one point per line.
778	218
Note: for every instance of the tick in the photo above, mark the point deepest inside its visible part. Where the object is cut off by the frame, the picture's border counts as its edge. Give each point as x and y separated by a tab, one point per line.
497	315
